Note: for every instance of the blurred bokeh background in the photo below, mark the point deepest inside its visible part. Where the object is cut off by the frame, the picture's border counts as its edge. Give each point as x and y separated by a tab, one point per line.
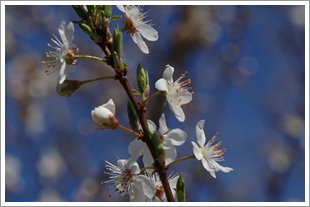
247	66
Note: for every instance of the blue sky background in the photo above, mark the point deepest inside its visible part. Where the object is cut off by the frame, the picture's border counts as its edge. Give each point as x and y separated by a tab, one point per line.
247	66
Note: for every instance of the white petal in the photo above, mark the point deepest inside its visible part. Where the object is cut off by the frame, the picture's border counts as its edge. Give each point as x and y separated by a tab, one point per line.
121	163
177	110
197	151
70	33
207	166
133	13
176	137
147	158
218	167
138	194
133	166
162	124
63	52
121	7
147	32
62	31
173	181
170	153
183	97
110	106
168	73
148	185
136	37
136	146
62	73
200	134
152	126
161	85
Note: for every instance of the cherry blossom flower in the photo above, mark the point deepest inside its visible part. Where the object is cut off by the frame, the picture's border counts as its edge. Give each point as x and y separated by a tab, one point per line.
104	116
177	93
209	154
128	181
160	195
63	53
169	138
135	26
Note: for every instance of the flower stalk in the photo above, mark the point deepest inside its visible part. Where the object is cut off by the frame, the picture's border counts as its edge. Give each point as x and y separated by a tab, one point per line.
90	57
129	130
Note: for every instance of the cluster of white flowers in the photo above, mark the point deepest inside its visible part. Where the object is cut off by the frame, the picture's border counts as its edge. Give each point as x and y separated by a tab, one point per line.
127	177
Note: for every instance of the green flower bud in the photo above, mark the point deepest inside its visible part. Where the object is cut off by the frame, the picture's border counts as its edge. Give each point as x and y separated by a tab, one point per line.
180	189
117	62
142	79
68	87
85	28
117	45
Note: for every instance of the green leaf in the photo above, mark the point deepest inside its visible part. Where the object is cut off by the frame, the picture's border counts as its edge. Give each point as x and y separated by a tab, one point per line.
115	17
136	92
107	10
80	11
180	189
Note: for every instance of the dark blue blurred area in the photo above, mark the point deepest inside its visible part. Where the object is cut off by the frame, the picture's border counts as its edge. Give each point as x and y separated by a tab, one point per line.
247	67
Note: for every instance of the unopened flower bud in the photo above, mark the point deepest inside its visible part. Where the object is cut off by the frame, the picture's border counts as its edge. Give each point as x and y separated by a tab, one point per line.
68	87
103	116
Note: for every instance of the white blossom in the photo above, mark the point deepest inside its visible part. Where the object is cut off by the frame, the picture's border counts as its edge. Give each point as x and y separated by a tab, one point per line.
104	116
136	26
169	138
160	195
177	92
63	53
128	181
209	154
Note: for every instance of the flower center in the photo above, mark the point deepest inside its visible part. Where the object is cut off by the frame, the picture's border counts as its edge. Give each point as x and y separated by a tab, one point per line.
212	151
70	57
129	25
176	89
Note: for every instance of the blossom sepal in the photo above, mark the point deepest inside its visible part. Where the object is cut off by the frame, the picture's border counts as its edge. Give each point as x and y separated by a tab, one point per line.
104	116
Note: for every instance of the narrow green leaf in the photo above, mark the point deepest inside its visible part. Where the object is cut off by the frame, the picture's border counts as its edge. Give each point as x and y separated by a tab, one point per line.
80	12
136	92
107	10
